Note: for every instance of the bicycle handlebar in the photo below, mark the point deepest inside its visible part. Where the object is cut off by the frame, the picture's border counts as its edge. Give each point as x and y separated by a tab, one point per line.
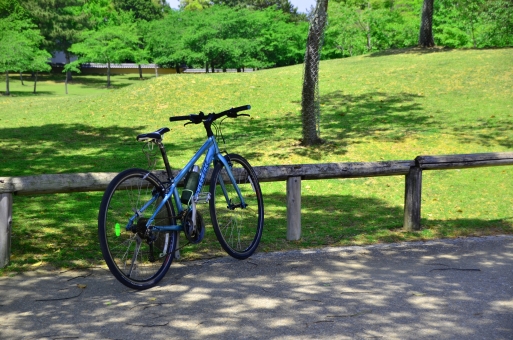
198	118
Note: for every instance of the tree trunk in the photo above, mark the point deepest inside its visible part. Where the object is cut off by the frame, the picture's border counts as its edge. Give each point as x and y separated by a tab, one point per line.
156	71
140	72
108	74
472	33
368	29
212	65
21	79
35	82
66	85
309	104
69	77
426	38
7	92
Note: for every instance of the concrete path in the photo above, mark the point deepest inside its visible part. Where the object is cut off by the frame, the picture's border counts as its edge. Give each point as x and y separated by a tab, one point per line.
448	289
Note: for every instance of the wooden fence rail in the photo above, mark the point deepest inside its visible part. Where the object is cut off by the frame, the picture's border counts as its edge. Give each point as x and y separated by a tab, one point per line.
292	174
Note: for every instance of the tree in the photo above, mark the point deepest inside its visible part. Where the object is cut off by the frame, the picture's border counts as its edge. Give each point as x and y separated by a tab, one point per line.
497	24
473	23
426	38
99	13
60	22
18	46
226	37
13	9
142	9
194	5
282	5
71	67
38	62
310	110
110	44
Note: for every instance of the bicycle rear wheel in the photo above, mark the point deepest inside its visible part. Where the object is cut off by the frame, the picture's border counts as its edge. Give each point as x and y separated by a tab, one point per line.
238	229
140	257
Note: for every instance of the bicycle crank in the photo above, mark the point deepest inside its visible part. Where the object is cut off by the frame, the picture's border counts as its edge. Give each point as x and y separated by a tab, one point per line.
194	233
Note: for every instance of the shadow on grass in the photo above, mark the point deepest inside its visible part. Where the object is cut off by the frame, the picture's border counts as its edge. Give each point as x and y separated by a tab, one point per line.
99	82
29	93
59	148
379	115
487	132
96	81
410	50
61	229
344	118
427	50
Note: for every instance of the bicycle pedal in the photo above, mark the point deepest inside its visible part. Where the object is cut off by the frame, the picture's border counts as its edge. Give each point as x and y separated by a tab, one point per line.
202	197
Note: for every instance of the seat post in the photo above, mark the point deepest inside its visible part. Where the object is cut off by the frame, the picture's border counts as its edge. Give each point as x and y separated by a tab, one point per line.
166	161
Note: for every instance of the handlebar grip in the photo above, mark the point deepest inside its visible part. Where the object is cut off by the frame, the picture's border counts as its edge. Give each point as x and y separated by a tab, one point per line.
178	118
232	113
242	108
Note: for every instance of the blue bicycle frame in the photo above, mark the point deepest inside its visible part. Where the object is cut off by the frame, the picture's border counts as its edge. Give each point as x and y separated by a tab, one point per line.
212	153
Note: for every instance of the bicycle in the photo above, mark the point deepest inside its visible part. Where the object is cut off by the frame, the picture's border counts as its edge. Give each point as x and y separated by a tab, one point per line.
140	216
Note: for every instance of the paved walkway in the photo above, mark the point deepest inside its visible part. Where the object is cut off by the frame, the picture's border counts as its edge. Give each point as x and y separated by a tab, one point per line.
449	289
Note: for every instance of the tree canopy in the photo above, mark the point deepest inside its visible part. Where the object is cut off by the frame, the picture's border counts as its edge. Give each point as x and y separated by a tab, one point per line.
255	33
227	38
109	44
19	47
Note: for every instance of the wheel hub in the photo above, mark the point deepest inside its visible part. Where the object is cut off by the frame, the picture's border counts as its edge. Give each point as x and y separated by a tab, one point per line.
140	228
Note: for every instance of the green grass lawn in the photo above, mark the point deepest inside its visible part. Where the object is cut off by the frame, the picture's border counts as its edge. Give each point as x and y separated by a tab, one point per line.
386	106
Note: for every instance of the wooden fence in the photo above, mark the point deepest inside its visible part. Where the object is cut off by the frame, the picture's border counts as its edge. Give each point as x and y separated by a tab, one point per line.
292	174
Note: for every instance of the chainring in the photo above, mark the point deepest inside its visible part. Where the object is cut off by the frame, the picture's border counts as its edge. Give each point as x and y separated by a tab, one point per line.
194	234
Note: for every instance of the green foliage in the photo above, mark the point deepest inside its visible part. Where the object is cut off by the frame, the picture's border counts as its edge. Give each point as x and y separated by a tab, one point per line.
227	38
473	23
60	21
361	26
19	48
109	44
142	9
100	12
13	9
284	6
194	5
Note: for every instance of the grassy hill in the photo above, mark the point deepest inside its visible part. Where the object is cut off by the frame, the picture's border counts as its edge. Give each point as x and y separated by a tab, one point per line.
386	106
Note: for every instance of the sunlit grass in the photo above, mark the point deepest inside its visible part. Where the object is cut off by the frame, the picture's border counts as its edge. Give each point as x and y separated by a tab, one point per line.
380	107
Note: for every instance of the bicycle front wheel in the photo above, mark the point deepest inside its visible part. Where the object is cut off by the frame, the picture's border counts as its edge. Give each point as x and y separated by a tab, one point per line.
237	228
139	257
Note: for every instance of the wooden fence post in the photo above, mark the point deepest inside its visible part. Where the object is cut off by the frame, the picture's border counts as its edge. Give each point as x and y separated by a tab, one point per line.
5	228
293	208
412	199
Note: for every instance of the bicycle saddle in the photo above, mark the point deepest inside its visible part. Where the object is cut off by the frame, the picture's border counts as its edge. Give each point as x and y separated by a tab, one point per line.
157	135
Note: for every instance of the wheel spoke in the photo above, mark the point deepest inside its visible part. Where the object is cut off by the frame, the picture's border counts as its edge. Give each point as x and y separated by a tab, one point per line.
133	259
237	228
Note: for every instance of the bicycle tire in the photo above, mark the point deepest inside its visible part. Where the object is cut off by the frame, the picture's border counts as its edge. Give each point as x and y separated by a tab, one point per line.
238	230
130	258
